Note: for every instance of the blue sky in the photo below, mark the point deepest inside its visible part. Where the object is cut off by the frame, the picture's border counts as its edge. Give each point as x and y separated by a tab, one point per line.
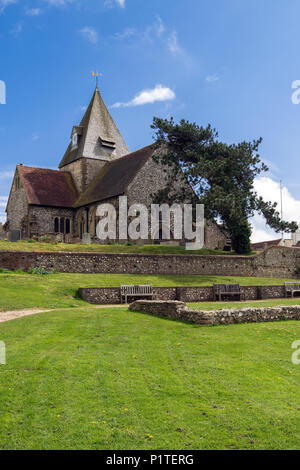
230	63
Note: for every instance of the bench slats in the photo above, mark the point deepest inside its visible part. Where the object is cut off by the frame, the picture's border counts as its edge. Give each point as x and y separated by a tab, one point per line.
291	288
222	290
136	291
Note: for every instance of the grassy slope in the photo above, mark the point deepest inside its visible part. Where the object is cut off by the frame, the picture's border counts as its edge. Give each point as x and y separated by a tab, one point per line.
104	379
114	248
18	291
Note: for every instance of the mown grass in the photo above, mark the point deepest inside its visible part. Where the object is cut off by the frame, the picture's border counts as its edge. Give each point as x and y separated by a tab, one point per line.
113	248
21	290
110	379
257	304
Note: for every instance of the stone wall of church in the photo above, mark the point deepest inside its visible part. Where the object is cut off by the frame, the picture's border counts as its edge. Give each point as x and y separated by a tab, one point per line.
84	170
90	169
44	217
75	168
151	178
214	237
17	208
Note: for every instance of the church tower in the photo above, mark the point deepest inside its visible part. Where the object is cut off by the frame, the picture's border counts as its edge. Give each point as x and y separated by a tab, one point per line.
94	142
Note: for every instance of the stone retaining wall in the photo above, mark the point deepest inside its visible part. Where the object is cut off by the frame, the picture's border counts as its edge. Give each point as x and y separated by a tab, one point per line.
176	310
274	262
111	295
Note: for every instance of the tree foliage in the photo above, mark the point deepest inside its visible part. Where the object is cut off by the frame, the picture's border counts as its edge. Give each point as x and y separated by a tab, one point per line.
221	175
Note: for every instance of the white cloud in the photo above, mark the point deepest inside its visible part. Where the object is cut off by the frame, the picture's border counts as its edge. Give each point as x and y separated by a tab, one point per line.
159	93
59	3
3	203
6	3
17	29
111	3
33	12
127	33
173	44
90	34
212	78
176	49
6	174
270	191
155	30
35	136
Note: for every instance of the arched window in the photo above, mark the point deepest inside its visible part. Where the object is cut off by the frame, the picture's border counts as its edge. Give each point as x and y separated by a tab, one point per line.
56	225
67	225
62	225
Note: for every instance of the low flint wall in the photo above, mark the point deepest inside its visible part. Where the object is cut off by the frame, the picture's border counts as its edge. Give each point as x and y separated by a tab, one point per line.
176	310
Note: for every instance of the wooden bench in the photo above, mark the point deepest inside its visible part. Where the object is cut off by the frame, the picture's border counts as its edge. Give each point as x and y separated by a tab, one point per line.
136	291
291	288
227	290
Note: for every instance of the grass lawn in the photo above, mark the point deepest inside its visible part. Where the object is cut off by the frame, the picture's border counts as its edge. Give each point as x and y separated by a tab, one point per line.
21	290
91	378
113	248
259	303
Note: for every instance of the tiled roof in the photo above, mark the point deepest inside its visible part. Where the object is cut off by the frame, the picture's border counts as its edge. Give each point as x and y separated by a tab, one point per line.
96	128
267	244
114	178
45	187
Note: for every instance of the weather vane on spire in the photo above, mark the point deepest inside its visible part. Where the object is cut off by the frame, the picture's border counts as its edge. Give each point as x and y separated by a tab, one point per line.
97	75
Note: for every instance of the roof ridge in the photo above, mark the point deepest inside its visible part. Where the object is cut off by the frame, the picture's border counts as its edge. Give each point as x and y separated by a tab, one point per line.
39	168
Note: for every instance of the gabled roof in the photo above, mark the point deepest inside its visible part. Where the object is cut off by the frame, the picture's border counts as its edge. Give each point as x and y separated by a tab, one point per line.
114	178
96	128
45	187
266	244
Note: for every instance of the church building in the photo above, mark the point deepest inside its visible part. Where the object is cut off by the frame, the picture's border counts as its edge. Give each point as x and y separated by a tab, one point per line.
97	167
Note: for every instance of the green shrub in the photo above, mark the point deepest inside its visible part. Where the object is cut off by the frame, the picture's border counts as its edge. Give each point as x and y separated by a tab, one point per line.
4	270
30	240
41	271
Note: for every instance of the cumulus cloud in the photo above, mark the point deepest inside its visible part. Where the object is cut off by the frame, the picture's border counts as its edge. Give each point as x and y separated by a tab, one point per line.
90	34
270	191
159	93
6	3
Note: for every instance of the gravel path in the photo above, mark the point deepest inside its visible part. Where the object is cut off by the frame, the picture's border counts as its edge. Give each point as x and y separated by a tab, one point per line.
13	314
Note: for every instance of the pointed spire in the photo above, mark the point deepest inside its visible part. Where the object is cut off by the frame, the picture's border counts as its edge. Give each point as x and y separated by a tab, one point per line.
97	136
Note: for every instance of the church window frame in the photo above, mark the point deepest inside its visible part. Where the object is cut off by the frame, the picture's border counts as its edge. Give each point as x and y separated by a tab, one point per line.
56	225
67	226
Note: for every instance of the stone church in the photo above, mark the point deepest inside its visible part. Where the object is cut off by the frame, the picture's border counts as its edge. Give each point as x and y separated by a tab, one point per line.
97	167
